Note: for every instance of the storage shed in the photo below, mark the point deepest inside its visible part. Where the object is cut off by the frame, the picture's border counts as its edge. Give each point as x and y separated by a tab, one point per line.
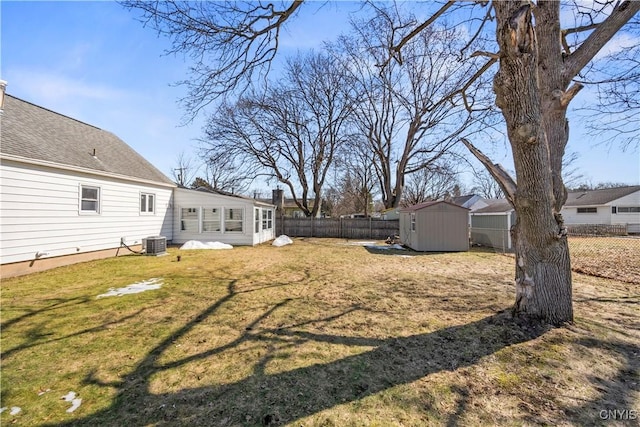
436	226
491	225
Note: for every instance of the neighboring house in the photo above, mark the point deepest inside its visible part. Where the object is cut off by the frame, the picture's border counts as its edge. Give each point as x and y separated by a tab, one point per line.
390	213
289	207
491	225
436	226
209	215
72	192
470	201
607	206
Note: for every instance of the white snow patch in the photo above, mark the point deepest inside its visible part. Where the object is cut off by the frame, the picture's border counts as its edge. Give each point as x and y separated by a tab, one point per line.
15	410
135	288
69	396
282	241
75	402
359	243
196	244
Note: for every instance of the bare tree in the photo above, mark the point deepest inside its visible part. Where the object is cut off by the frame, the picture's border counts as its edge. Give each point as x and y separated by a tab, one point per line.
537	62
408	112
534	109
614	76
290	133
486	186
185	171
353	190
431	183
229	43
224	172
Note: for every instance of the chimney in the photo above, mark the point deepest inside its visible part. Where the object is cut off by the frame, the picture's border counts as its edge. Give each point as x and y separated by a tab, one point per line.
277	198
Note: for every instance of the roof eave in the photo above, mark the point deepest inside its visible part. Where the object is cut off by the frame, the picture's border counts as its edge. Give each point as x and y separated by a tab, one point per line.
61	166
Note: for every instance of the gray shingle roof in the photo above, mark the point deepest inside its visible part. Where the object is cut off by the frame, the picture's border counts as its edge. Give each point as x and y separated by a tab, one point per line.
35	133
427	204
599	197
461	200
496	206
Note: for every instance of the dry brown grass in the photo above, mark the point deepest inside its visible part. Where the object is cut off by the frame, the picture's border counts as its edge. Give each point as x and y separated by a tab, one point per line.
318	333
611	257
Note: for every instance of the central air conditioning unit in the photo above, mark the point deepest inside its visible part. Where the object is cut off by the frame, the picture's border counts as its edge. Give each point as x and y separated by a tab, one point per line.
154	245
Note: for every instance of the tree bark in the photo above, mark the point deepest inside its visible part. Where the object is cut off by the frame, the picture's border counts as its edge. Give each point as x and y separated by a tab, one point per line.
525	88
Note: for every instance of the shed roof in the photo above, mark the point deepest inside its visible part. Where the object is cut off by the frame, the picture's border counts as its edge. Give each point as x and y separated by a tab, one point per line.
496	206
425	205
35	134
599	197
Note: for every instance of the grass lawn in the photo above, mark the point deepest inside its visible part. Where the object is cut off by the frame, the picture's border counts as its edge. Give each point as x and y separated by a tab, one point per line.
318	333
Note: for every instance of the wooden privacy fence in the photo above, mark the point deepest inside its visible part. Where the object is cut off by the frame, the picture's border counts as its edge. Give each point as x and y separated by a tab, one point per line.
597	230
345	228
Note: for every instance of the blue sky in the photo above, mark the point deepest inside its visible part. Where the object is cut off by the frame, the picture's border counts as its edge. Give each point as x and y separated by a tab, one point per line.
94	62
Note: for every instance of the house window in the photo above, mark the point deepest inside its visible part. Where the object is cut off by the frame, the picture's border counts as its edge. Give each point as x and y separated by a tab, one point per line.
233	220
147	203
89	199
413	221
587	210
614	210
628	209
211	220
189	219
267	219
257	221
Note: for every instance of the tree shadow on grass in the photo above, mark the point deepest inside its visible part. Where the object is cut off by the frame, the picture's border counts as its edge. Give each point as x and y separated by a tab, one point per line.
614	403
265	398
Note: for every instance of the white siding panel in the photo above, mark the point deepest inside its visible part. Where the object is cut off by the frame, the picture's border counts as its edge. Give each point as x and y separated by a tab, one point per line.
633	218
39	212
571	216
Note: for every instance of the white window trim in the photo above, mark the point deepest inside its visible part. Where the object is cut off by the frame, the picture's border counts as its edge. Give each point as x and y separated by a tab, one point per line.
221	220
242	221
587	213
142	193
627	208
412	221
197	220
268	220
99	200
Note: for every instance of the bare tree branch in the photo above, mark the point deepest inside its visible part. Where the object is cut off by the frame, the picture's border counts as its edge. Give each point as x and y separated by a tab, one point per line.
620	15
507	184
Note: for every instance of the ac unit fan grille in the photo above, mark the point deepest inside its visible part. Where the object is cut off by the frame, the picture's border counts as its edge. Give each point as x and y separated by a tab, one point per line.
156	245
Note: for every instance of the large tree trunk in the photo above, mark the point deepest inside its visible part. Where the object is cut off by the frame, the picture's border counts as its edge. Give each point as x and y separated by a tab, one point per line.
525	90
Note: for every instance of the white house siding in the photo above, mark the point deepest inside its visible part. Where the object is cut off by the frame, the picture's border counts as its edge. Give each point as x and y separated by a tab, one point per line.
571	216
39	212
201	200
632	219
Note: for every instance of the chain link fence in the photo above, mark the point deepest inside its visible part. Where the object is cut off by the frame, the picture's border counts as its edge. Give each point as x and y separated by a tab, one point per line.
602	251
613	257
